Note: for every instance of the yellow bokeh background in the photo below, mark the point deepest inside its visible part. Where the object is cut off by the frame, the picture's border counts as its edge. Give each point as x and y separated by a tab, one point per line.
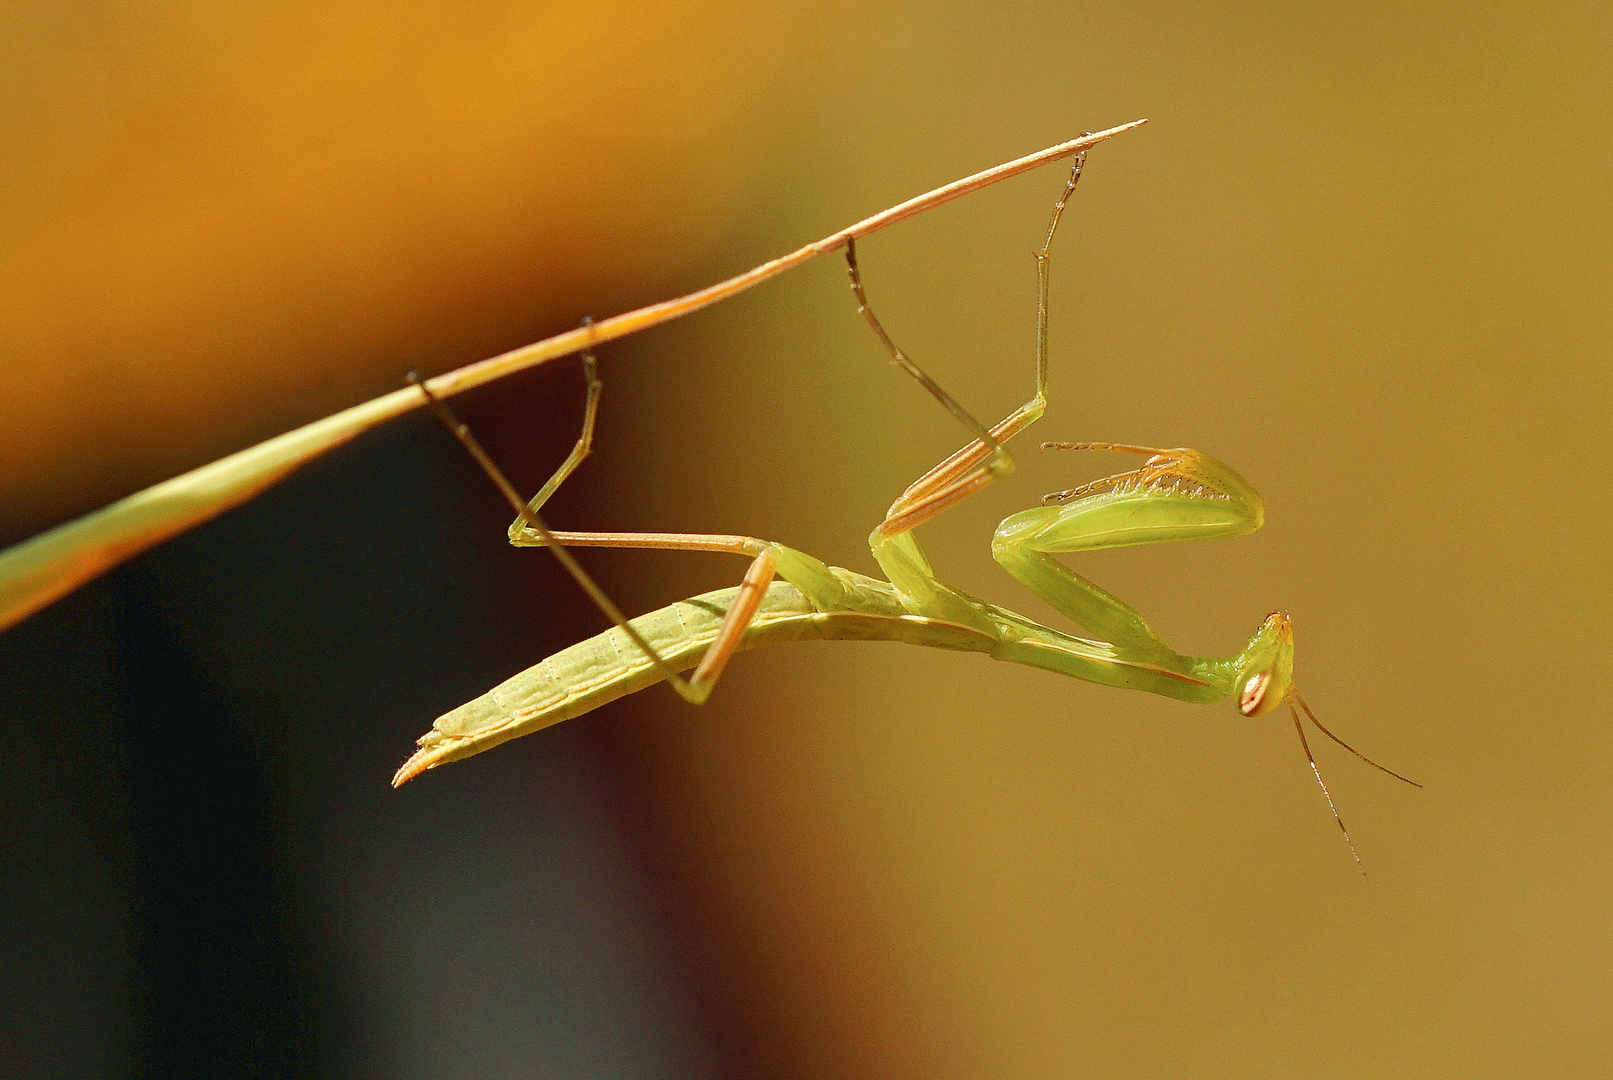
1359	253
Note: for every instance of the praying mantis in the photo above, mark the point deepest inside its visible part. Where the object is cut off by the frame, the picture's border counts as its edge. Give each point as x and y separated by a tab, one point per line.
787	595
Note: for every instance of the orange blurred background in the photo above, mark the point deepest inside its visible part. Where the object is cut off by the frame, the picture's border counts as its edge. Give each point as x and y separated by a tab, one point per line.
1358	253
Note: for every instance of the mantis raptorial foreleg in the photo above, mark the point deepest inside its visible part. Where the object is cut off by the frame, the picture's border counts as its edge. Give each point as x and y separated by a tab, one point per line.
1177	494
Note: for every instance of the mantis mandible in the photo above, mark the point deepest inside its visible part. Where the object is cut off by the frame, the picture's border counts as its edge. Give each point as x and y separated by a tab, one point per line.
786	595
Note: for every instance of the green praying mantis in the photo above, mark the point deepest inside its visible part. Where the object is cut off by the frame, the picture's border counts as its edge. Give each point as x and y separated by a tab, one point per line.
787	595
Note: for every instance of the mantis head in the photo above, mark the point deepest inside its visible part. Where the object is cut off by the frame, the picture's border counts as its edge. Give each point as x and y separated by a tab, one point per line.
1265	680
1266	666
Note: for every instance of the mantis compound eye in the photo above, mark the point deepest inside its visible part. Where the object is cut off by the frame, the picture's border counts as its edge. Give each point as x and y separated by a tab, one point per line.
1261	694
1253	695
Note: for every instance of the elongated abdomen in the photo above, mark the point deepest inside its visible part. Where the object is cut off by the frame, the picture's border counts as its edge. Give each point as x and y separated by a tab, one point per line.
596	671
608	666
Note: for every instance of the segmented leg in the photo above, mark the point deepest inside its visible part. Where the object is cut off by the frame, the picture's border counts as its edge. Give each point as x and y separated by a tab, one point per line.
528	530
983	460
964	472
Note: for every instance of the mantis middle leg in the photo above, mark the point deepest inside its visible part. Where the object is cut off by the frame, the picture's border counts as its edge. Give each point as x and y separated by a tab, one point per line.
984	459
964	472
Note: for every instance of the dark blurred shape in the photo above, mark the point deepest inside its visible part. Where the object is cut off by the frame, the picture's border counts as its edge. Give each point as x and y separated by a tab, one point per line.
226	985
211	876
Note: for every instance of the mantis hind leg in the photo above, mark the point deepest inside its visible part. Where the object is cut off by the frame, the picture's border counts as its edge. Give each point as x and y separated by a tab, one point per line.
767	560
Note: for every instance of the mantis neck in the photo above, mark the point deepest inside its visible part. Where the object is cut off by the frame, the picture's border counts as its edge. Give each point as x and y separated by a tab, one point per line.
1009	636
